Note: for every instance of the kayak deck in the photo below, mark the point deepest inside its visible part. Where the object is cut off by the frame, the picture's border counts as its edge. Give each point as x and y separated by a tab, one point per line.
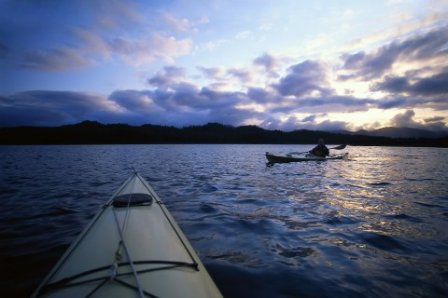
132	248
272	158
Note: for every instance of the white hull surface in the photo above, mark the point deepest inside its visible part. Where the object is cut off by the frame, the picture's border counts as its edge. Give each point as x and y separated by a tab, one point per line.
132	248
272	158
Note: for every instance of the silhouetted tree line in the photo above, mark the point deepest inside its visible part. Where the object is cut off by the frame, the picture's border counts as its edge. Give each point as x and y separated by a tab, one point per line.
90	132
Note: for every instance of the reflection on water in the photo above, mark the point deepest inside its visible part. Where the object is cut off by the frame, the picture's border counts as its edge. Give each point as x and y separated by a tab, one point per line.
372	225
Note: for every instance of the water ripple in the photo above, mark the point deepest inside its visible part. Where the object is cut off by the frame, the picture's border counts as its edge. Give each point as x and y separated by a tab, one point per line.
372	226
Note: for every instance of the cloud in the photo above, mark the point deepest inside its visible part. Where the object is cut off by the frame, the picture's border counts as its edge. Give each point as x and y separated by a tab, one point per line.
392	84
309	123
417	48
243	75
243	34
90	47
397	102
329	104
167	76
404	119
435	103
53	108
436	124
83	33
310	118
54	60
133	100
187	104
435	85
304	79
429	86
30	116
328	125
212	73
434	119
405	25
178	24
92	43
212	45
261	95
270	64
157	46
180	103
116	13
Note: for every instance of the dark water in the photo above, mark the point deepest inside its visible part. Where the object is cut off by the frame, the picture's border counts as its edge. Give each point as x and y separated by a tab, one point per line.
375	225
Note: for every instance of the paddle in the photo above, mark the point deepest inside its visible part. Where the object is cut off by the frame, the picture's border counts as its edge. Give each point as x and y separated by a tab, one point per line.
340	147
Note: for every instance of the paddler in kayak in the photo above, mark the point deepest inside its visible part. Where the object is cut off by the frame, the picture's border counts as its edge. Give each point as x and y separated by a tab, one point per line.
320	150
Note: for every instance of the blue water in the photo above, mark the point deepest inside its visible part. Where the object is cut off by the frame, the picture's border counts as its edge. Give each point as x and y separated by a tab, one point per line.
374	225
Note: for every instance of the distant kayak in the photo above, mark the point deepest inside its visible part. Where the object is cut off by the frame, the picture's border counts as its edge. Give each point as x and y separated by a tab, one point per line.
132	248
272	158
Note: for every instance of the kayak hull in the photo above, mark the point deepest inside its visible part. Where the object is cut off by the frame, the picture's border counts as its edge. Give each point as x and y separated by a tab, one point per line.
272	158
132	249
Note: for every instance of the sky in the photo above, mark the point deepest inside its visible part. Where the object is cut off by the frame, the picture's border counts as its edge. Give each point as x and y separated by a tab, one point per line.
284	64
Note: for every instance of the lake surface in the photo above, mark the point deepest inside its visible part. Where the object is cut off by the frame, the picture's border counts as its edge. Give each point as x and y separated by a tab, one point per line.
375	225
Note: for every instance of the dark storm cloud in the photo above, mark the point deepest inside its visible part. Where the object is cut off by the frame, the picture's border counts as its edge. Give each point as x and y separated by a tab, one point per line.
183	103
390	103
435	85
392	85
303	79
347	101
221	99
418	48
178	95
231	116
261	95
132	100
22	116
182	96
199	106
430	86
437	103
76	102
50	108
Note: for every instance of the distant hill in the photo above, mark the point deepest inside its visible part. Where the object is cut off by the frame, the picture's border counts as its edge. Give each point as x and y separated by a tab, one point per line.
403	132
91	132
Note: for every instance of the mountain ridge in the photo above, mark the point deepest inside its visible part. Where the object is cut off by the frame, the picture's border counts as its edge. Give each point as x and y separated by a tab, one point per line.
92	132
404	132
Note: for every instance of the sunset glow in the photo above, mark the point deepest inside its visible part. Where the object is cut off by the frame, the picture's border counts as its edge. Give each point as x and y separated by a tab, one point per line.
331	65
